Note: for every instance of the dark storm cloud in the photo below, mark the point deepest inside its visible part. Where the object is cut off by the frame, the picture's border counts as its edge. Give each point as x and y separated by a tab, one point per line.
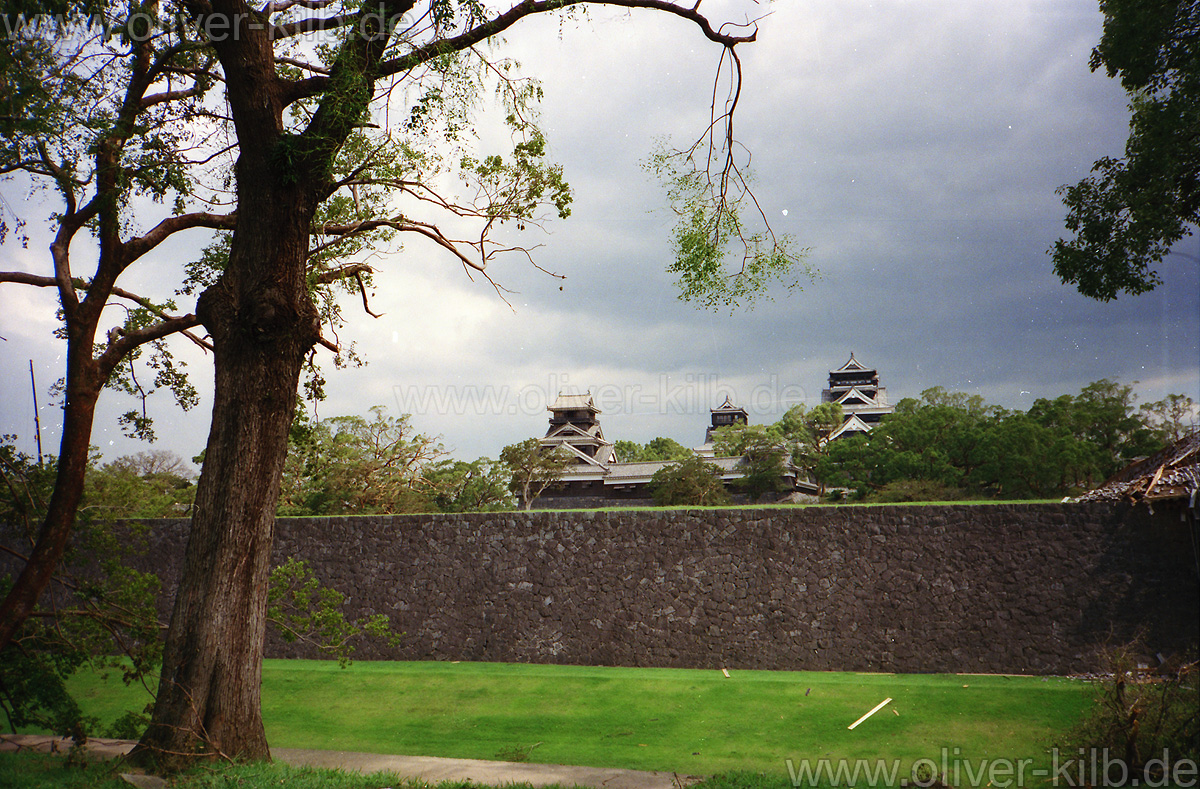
914	147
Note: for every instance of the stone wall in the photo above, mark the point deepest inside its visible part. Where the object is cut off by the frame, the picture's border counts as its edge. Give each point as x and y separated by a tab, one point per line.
997	588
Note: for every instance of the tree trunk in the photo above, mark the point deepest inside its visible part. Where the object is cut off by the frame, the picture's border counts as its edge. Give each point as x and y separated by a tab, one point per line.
83	388
263	324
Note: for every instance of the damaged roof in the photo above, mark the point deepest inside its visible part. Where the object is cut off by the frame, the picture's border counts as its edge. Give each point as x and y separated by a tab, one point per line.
1170	474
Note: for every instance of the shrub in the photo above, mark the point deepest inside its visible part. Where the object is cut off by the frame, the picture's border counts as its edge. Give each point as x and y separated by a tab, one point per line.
901	490
1140	716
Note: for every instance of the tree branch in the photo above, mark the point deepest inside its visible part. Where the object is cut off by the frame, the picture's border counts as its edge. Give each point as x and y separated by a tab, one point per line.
313	86
66	184
37	280
60	252
350	270
137	247
170	95
312	25
300	64
279	6
518	12
362	288
430	231
127	341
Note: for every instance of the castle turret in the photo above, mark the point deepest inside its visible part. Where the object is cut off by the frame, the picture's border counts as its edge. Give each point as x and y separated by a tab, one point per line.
724	415
574	425
856	388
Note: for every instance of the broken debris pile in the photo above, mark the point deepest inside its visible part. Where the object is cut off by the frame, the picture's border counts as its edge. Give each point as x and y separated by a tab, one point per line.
1173	473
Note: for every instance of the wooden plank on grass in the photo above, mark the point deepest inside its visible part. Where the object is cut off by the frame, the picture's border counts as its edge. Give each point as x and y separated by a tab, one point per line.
876	709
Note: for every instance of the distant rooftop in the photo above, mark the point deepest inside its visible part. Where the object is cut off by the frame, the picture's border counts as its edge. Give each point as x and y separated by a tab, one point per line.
728	406
574	402
853	365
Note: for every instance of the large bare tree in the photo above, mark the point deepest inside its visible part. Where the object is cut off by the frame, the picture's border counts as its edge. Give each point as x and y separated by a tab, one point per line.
300	153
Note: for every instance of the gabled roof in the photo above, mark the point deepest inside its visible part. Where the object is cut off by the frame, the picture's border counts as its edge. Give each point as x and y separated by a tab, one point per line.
855	393
575	437
585	472
851	366
728	406
568	431
583	458
852	425
574	402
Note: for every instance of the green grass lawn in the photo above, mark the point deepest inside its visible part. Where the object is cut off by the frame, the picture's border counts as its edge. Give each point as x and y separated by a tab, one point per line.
690	721
45	771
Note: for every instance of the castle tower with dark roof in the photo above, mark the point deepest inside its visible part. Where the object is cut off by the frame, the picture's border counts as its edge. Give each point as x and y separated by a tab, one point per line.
856	388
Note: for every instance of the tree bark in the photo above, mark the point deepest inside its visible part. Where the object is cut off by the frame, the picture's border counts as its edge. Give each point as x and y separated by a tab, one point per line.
263	323
83	389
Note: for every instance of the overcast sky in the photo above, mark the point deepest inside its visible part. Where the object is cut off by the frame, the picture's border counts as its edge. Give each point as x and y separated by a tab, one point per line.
913	147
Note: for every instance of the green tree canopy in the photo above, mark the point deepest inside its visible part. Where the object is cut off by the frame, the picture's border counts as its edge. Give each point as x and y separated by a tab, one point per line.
152	484
479	486
354	464
692	480
807	435
1173	417
656	449
533	468
765	454
1129	212
956	441
1103	418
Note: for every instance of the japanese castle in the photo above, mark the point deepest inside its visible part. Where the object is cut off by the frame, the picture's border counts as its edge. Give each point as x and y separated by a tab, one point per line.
597	475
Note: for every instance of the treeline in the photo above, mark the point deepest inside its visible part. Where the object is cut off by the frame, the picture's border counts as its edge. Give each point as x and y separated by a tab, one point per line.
946	445
381	464
941	446
152	484
338	466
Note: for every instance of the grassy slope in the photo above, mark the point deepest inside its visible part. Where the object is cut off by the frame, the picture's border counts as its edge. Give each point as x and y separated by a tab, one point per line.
653	719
